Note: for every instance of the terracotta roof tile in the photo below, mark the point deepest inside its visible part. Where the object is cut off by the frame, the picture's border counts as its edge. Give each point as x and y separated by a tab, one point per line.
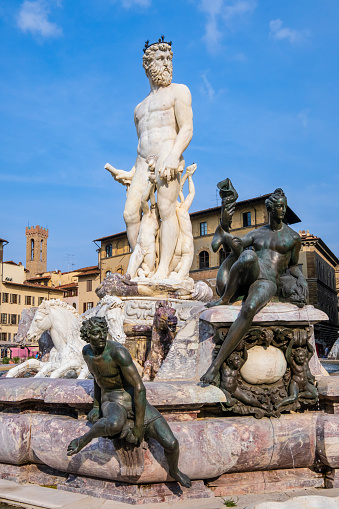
32	285
68	285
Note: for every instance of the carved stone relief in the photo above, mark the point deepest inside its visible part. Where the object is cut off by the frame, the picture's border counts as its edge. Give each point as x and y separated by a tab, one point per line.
282	381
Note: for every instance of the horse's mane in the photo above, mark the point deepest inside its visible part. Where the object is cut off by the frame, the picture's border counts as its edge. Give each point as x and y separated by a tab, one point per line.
70	320
112	302
111	299
46	304
108	300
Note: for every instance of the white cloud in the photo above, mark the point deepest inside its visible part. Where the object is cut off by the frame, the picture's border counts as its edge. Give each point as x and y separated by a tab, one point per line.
221	15
127	4
240	57
239	8
303	117
212	36
206	87
33	18
279	33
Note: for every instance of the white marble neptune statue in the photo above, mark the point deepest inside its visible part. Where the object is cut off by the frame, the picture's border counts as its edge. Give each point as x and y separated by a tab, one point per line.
164	124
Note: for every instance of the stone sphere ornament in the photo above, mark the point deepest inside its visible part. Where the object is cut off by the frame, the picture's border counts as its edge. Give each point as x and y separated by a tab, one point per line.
264	365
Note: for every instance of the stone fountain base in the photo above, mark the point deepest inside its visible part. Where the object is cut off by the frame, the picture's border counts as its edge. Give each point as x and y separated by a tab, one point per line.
226	454
221	453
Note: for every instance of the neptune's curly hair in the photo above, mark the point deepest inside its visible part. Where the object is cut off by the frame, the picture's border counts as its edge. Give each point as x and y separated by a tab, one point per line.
274	197
95	324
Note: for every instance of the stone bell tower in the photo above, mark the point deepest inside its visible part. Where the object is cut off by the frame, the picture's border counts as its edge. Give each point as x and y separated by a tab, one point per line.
36	250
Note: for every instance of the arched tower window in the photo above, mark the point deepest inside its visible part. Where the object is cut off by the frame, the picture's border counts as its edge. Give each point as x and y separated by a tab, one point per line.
108	250
32	249
41	250
204	260
108	273
120	270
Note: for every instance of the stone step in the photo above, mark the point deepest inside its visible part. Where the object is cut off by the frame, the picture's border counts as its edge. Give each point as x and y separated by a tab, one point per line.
38	497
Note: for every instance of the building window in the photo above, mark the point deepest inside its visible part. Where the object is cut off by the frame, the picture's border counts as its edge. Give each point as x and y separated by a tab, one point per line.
28	300
3	338
73	292
40	300
87	305
33	301
5	297
89	285
14	298
4	318
41	250
13	319
32	249
108	250
204	260
19	302
74	305
108	273
203	228
246	219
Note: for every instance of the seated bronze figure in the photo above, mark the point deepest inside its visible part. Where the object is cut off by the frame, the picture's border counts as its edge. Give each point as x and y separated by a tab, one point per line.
254	267
120	408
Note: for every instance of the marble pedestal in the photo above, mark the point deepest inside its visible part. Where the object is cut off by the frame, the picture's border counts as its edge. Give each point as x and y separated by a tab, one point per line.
191	352
39	417
140	296
139	311
138	320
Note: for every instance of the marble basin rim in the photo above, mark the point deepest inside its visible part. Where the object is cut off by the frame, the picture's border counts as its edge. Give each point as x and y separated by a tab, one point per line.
277	312
210	446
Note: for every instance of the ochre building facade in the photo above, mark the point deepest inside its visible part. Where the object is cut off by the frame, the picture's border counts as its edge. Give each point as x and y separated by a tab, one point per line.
318	263
114	250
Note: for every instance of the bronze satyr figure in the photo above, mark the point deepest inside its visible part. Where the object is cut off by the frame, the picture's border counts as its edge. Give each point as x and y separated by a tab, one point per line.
120	399
253	268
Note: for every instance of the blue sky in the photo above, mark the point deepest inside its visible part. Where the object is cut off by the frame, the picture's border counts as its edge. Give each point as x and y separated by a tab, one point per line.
264	79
